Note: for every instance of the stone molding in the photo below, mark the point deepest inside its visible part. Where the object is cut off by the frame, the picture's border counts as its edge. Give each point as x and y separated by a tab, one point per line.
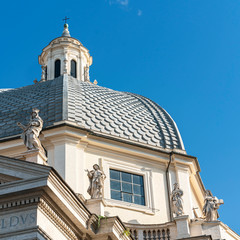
25	232
92	220
34	156
19	202
6	179
46	209
74	201
113	228
44	234
229	231
150	226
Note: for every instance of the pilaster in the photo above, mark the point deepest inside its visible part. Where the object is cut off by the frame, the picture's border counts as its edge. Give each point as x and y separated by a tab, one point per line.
67	156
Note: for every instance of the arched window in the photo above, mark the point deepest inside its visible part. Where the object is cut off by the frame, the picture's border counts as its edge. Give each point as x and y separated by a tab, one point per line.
46	73
73	68
57	68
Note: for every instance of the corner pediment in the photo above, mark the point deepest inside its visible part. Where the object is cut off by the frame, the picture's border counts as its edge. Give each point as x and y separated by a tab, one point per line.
15	169
5	179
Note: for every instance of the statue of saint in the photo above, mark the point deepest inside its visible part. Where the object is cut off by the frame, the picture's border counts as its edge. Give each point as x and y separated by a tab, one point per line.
177	201
96	179
31	132
86	74
43	76
211	205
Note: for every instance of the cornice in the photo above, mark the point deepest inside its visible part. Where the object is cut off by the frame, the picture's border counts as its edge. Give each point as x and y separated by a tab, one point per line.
24	166
63	41
19	202
5	178
69	195
25	232
58	221
230	231
150	226
113	228
23	185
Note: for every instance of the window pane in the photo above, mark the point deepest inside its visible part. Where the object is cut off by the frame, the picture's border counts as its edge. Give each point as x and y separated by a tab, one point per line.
115	185
57	68
126	177
137	179
114	174
46	73
139	200
137	189
73	68
127	187
142	201
127	197
116	195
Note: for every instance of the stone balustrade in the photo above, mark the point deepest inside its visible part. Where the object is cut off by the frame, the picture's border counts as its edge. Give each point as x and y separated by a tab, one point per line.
151	233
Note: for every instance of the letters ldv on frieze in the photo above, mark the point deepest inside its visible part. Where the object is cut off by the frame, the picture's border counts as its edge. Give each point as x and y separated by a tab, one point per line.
17	221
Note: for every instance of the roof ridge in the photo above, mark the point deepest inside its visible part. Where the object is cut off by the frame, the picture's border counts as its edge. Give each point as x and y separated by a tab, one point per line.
65	98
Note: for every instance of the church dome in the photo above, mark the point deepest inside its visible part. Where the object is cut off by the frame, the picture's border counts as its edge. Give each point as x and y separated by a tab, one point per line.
123	116
65	93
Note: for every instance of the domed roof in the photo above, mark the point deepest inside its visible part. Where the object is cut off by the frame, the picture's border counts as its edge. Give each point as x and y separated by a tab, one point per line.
121	115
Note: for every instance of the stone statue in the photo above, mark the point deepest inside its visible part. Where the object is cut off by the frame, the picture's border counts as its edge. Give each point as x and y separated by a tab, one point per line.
44	73
177	201
96	179
211	205
31	132
86	74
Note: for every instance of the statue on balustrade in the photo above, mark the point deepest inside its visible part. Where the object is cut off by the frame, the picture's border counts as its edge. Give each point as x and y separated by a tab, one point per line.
211	205
177	201
31	132
96	179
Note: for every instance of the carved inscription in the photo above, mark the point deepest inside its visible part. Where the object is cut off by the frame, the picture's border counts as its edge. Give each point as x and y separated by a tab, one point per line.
17	221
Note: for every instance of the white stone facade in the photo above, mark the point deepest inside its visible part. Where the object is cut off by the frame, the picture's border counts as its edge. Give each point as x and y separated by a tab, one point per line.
72	151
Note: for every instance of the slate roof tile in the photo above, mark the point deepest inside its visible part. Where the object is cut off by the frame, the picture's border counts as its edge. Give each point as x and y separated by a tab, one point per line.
120	114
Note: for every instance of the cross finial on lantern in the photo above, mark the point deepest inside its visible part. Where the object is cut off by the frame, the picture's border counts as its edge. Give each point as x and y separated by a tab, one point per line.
65	19
66	31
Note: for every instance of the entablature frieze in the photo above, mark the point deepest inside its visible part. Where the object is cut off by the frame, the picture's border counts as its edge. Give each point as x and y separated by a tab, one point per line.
42	202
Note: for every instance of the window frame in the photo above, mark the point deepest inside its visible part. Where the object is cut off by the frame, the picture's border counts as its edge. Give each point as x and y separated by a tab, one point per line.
55	71
46	73
124	166
123	192
71	71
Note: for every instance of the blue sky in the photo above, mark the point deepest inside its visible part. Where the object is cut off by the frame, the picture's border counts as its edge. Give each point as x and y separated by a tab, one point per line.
183	54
